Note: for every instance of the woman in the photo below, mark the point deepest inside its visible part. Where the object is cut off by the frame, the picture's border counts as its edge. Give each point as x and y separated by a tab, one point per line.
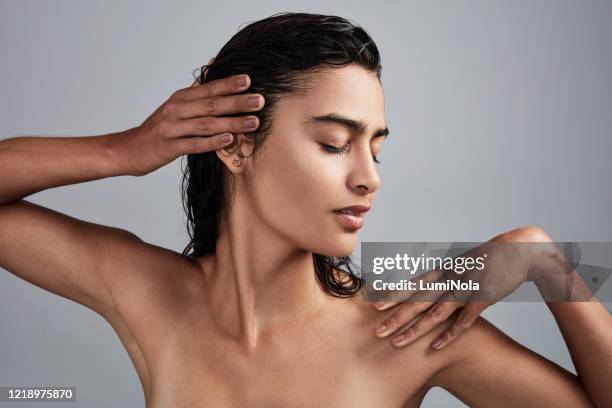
260	309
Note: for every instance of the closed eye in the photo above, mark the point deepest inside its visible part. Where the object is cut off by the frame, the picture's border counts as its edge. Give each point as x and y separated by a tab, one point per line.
341	150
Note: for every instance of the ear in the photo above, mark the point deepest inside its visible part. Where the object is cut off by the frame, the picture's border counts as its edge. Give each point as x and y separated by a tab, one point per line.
240	149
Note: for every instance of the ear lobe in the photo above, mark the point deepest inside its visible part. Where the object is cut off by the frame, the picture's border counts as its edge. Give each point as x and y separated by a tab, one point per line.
232	151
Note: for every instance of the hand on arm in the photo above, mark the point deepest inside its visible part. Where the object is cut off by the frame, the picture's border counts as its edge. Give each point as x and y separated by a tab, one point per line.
509	265
489	369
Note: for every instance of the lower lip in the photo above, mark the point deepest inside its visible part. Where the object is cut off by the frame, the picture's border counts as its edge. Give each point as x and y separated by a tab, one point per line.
350	221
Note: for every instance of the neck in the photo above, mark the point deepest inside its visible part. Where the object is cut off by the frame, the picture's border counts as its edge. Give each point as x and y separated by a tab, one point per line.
257	282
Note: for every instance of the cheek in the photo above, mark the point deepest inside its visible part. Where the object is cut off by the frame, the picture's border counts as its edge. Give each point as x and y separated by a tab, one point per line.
295	194
293	187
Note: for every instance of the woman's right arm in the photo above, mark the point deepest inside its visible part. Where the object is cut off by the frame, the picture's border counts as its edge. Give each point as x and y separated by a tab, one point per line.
29	164
84	261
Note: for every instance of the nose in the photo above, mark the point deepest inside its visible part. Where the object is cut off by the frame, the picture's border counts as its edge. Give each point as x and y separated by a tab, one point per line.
363	178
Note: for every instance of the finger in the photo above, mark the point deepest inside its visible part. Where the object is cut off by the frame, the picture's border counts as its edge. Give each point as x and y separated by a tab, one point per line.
395	297
208	126
409	310
384	305
196	144
467	317
401	317
437	314
213	106
222	86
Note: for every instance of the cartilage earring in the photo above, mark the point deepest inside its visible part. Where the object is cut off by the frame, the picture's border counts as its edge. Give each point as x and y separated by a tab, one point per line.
236	162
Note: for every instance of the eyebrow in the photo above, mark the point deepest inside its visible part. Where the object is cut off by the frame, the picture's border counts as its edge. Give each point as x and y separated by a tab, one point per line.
357	126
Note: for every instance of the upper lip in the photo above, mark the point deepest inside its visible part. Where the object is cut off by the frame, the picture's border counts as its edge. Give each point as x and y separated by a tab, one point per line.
358	209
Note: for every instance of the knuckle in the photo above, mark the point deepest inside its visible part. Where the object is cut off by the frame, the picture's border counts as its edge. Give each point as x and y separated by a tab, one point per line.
206	89
391	321
211	104
451	334
403	314
169	109
195	143
411	332
437	312
465	324
205	125
423	306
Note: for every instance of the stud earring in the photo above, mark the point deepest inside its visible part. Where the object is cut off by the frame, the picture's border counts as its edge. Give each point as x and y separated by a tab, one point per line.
236	162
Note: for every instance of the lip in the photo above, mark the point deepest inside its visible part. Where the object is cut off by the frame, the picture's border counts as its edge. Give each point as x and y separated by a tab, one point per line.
356	209
350	221
354	219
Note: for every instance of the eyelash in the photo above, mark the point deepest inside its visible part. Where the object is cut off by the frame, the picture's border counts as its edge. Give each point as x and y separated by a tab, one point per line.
340	150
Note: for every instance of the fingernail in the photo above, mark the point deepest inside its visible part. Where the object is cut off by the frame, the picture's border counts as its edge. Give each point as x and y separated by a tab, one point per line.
241	81
253	101
249	123
398	340
436	344
381	329
379	304
226	137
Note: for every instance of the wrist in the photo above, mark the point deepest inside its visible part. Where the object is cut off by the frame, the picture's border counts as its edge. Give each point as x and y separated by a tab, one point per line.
115	149
557	281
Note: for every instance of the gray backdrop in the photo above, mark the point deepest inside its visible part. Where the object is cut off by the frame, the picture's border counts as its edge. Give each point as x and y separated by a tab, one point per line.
500	116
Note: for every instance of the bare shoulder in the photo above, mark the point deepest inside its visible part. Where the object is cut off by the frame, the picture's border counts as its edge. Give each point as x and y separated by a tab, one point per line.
408	368
153	279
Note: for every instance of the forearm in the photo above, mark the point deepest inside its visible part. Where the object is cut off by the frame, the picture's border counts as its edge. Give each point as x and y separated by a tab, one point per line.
29	164
586	327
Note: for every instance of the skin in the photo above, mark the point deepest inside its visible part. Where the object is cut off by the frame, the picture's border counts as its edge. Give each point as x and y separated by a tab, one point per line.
247	326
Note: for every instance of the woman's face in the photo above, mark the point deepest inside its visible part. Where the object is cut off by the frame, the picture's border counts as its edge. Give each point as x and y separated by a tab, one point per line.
297	183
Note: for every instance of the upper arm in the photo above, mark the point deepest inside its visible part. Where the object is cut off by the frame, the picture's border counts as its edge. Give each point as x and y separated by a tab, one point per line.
69	257
488	368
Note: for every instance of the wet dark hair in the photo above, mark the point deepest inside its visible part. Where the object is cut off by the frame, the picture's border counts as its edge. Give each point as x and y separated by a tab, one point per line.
280	53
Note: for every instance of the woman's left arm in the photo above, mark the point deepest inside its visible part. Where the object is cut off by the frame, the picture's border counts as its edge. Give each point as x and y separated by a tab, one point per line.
486	368
492	366
586	326
587	330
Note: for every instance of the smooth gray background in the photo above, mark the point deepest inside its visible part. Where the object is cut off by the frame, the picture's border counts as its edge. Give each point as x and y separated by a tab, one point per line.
500	116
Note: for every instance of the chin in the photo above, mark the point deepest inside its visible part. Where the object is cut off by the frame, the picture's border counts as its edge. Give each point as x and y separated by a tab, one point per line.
338	251
331	243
